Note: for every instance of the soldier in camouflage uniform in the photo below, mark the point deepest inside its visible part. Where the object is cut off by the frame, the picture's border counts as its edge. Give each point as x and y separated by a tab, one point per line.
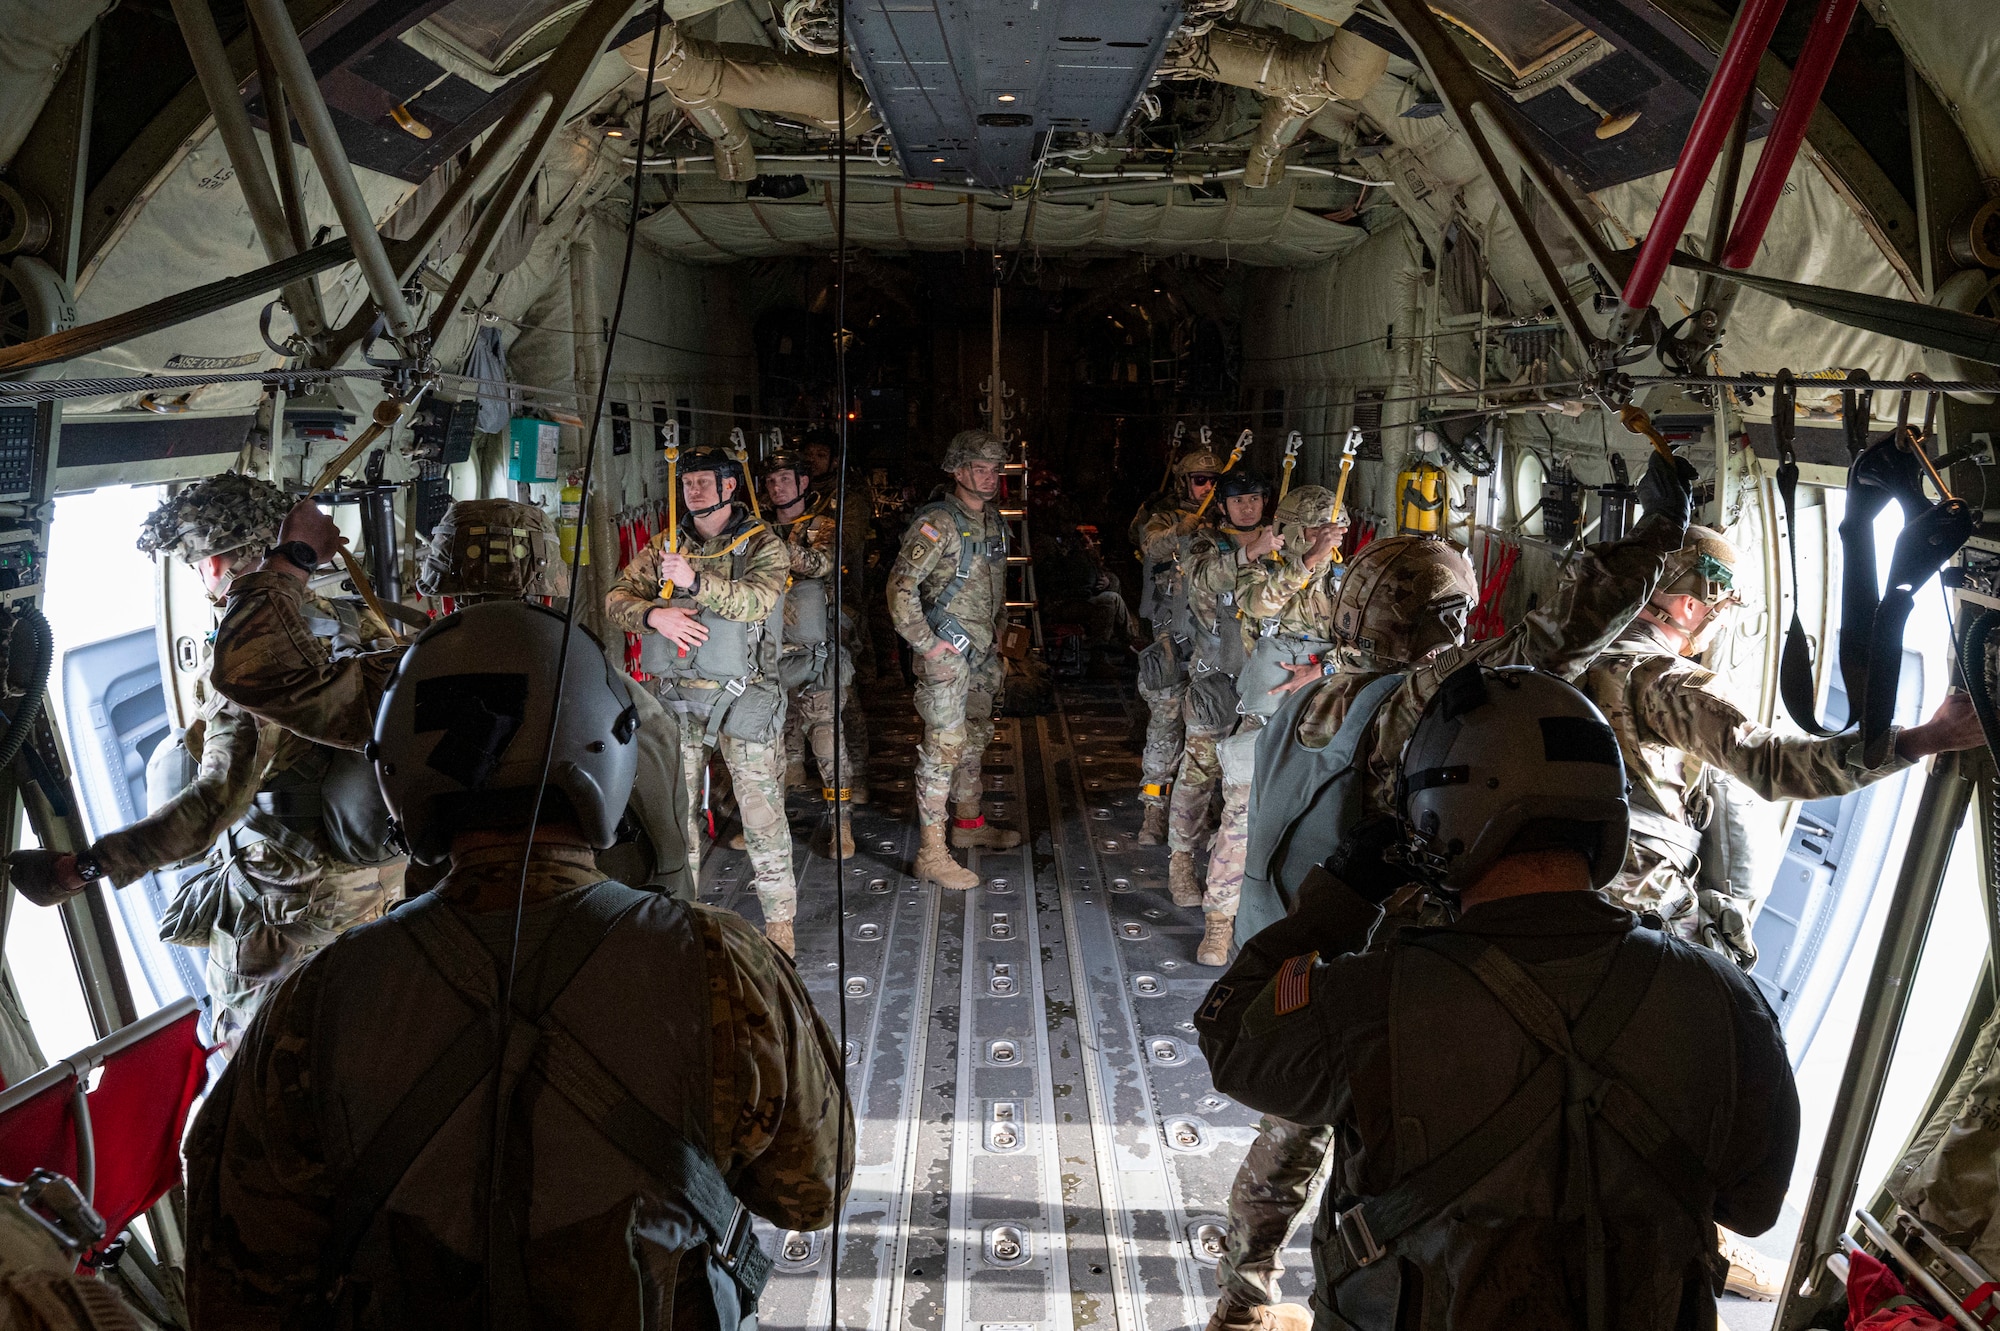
815	667
818	447
1161	531
1289	602
1403	604
676	1066
726	580
275	887
948	600
1222	642
1689	751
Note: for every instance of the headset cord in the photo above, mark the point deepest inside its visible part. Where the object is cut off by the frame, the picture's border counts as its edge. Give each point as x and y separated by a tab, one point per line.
503	1015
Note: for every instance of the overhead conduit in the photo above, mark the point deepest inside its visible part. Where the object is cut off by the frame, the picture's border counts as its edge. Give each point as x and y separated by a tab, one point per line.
714	81
1295	78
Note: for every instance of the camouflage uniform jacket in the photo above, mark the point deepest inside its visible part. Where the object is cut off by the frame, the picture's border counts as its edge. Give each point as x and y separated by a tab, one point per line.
1287	595
1602	589
766	570
263	1190
856	526
809	541
929	561
1215	569
268	662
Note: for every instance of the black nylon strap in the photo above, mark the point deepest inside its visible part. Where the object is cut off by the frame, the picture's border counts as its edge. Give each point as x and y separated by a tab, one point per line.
1797	684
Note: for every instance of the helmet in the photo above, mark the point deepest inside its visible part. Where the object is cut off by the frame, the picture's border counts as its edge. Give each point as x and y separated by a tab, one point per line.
460	739
1306	506
1704	567
970	446
1242	481
1403	598
789	459
492	548
1195	461
722	464
1511	760
217	516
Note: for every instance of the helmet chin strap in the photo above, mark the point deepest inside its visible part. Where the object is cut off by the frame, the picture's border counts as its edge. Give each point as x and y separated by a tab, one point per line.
704	512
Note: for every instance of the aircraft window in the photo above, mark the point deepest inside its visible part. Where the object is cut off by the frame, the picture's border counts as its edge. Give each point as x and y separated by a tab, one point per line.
1528	476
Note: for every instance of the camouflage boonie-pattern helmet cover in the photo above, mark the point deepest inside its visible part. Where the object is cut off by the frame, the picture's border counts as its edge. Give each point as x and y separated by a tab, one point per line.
492	548
1403	598
970	446
1306	506
1704	567
216	516
1197	460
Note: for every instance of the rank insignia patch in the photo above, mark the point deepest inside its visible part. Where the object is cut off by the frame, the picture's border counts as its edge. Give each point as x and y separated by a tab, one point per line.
1294	984
1218	998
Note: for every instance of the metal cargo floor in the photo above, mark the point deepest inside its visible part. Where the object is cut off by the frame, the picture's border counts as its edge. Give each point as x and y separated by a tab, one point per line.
1039	1144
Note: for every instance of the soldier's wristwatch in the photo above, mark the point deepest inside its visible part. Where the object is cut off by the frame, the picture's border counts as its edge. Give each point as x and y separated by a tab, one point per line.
298	552
87	866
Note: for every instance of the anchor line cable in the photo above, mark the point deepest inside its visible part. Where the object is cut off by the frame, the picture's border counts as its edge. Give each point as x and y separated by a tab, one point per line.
841	808
504	1012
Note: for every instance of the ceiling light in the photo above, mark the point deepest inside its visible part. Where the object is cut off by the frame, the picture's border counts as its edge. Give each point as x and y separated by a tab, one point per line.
1004	97
937	159
614	133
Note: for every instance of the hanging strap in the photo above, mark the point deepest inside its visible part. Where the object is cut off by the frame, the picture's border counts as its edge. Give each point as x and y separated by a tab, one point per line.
1797	679
1567	1082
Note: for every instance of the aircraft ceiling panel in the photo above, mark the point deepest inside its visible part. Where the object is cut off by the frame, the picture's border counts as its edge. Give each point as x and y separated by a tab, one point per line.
969	90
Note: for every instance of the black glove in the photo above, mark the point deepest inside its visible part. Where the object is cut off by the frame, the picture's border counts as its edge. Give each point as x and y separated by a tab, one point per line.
33	874
1668	488
1362	863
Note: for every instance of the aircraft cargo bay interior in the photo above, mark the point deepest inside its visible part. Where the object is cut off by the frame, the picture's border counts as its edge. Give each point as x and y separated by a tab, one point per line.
1000	665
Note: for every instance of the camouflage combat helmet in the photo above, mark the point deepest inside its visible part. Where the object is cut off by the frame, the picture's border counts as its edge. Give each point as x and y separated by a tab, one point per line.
489	549
1403	598
217	516
970	446
1196	461
1704	567
1305	506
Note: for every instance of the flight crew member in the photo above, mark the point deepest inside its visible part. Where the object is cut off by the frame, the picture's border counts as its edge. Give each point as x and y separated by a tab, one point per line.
814	668
948	600
1646	1086
712	640
1689	749
1287	607
1222	642
674	1074
1402	607
283	878
1160	531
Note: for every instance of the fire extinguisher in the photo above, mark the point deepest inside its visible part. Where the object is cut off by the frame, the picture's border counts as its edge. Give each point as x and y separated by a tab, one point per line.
1420	500
568	518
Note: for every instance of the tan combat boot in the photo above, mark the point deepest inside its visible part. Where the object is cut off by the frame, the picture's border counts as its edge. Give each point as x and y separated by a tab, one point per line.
1181	880
839	821
935	864
1153	831
780	934
1217	930
1752	1275
969	828
1260	1317
736	841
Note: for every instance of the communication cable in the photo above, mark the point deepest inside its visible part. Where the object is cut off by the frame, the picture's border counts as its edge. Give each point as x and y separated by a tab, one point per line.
504	1012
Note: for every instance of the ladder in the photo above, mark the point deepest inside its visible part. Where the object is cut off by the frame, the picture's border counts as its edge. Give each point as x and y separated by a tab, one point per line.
1013	502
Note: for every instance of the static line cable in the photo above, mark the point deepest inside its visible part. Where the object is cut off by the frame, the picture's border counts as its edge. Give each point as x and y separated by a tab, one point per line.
841	806
60	390
503	1016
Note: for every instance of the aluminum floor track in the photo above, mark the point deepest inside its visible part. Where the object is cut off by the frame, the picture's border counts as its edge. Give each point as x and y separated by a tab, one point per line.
1039	1144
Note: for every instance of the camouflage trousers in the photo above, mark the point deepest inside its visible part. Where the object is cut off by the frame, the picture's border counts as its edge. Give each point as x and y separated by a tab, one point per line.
757	774
813	706
1236	757
1194	789
955	697
1166	733
1274	1188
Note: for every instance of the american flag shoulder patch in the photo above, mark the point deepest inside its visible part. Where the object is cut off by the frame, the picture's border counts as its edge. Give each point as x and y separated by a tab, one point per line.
1294	985
929	532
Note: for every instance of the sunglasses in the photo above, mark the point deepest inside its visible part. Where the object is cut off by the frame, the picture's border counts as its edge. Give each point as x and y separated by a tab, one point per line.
1201	478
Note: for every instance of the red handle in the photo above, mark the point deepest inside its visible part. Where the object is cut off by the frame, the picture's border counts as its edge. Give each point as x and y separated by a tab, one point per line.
1753	218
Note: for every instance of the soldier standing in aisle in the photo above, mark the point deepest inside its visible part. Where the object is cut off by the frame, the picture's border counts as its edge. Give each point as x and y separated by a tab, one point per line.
948	600
1692	755
711	611
820	448
814	668
1289	607
1161	531
301	846
1222	642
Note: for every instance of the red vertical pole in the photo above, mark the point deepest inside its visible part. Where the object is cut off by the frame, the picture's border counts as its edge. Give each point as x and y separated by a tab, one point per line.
1735	76
1829	29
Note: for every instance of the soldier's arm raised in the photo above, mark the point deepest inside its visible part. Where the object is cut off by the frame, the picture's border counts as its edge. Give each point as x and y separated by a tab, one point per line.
268	662
637	590
813	557
232	768
783	1132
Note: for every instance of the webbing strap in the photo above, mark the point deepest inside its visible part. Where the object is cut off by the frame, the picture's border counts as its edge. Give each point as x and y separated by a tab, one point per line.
718	711
1796	678
463	962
